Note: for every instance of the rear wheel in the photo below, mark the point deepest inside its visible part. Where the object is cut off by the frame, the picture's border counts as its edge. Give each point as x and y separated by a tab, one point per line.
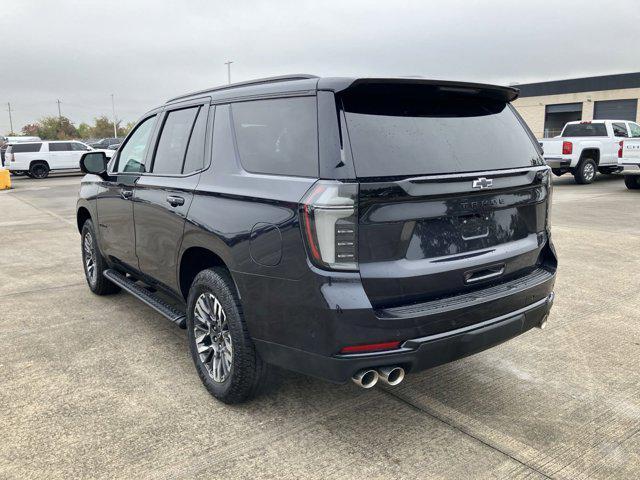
585	172
94	264
221	348
39	170
632	182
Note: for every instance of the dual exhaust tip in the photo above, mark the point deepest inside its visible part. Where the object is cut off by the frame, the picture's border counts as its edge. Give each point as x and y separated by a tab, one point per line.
368	377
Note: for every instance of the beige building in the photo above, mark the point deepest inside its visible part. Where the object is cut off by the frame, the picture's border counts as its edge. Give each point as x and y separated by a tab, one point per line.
547	106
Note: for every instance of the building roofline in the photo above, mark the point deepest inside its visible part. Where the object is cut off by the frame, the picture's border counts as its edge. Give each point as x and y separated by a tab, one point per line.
586	84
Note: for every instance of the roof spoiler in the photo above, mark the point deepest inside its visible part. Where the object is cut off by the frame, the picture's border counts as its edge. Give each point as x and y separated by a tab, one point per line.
496	92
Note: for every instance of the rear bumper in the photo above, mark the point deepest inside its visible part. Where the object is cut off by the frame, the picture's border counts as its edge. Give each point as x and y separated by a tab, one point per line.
414	354
558	162
630	168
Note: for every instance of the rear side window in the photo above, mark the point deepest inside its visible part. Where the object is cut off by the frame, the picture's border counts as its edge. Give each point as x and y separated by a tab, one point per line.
60	147
585	130
173	142
619	130
278	136
195	151
24	148
422	131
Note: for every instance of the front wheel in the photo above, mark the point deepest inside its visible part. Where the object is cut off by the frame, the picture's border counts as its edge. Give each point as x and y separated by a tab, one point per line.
94	264
632	182
221	348
585	172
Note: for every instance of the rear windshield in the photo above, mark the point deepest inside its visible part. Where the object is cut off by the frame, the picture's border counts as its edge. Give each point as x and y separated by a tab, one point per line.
413	133
24	148
585	130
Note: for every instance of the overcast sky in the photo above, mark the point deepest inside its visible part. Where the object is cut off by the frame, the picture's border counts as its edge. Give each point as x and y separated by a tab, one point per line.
145	51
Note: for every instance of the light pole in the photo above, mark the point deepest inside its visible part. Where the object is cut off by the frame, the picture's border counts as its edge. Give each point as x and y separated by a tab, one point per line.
228	64
59	111
10	119
113	108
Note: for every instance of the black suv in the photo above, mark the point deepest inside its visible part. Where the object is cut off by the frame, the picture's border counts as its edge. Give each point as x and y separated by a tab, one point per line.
345	228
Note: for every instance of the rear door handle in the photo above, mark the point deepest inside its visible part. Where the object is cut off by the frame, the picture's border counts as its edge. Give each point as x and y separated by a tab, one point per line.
175	201
126	193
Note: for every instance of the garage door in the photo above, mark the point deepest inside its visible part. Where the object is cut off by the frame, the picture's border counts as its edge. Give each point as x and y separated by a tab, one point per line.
616	109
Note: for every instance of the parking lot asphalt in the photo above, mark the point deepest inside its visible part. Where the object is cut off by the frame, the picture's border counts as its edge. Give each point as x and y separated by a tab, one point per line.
103	387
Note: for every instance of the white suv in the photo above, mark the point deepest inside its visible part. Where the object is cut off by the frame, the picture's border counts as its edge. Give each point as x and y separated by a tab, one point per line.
37	159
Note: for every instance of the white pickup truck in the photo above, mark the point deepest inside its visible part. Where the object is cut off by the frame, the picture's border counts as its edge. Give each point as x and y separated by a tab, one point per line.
630	162
584	148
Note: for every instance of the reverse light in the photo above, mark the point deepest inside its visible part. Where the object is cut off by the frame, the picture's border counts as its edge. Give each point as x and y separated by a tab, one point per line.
371	347
330	224
621	146
567	148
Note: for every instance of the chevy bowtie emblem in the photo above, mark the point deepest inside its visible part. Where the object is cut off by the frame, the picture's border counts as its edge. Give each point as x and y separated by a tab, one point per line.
482	183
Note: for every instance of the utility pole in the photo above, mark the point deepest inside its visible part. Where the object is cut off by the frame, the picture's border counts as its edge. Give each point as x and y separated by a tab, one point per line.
228	64
59	111
10	119
113	108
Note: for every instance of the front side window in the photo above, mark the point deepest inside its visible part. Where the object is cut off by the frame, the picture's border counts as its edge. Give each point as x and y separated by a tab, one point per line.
619	130
635	130
278	136
60	147
79	147
132	155
174	138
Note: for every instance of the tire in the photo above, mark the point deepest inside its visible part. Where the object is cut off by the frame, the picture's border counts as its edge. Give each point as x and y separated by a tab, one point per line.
585	172
557	172
632	182
39	170
222	350
94	263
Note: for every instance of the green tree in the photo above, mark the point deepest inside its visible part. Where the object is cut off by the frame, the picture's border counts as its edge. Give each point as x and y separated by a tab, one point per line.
85	131
52	128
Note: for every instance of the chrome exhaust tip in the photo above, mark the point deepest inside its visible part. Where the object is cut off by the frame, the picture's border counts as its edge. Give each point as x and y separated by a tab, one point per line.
543	322
391	375
366	378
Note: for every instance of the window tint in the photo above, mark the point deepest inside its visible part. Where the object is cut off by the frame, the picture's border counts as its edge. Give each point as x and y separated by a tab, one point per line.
195	151
278	136
60	147
407	131
78	147
132	154
172	146
619	130
585	130
24	148
635	130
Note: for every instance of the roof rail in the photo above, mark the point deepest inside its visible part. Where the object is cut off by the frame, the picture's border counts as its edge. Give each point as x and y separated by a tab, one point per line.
258	81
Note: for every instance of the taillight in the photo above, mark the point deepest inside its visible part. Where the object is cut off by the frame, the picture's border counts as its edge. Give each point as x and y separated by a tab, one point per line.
567	148
330	224
371	347
621	146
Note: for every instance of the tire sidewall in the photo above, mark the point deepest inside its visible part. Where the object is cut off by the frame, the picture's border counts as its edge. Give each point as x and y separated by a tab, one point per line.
87	228
211	281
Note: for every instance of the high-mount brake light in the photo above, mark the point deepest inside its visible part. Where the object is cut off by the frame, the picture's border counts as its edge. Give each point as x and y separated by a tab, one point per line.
330	225
567	148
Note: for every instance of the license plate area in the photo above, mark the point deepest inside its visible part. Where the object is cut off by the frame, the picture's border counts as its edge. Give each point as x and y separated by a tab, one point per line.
473	227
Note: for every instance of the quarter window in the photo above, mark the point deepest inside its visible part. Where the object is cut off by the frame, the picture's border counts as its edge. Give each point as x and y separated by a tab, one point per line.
278	136
172	146
132	154
24	147
619	130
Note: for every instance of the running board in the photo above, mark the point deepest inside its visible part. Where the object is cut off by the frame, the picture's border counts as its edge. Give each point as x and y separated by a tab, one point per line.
170	312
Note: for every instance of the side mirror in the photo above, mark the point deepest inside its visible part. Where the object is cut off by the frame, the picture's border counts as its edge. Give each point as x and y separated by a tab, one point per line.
94	162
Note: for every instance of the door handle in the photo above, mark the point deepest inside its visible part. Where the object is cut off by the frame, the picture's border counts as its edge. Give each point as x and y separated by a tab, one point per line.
126	193
175	201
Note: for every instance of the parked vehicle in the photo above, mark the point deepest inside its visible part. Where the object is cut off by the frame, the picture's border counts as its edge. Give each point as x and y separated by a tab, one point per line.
37	159
5	141
104	143
630	158
584	148
345	228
